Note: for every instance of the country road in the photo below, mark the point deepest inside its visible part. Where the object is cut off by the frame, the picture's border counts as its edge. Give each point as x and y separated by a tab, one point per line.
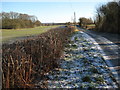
84	65
110	44
84	58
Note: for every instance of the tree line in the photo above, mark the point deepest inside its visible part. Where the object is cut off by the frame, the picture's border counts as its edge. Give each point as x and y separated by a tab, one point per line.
108	17
14	20
84	22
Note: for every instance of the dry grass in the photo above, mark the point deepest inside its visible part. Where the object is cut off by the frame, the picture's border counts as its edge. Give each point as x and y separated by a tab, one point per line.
23	62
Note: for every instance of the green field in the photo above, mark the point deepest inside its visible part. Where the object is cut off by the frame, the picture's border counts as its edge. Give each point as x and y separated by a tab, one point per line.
92	25
8	34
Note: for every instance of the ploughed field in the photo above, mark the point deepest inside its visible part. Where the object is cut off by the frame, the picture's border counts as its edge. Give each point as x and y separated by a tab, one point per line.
81	67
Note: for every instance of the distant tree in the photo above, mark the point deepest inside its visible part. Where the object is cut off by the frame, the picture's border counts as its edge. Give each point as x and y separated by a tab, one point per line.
37	23
68	23
84	21
13	20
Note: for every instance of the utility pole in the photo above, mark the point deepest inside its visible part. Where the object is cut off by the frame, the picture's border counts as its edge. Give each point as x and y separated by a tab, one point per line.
74	19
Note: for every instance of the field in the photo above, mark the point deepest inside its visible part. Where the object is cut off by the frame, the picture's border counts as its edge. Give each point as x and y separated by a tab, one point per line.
90	26
8	34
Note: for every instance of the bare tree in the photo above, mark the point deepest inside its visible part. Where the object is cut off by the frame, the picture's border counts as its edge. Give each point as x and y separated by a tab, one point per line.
107	17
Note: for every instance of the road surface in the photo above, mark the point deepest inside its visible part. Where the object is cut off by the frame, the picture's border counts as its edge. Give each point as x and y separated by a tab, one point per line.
110	44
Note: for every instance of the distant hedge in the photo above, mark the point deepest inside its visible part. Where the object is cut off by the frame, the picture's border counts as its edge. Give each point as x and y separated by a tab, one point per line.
13	20
108	17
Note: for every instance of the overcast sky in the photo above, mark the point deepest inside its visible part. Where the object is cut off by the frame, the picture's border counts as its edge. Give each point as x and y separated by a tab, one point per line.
49	11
